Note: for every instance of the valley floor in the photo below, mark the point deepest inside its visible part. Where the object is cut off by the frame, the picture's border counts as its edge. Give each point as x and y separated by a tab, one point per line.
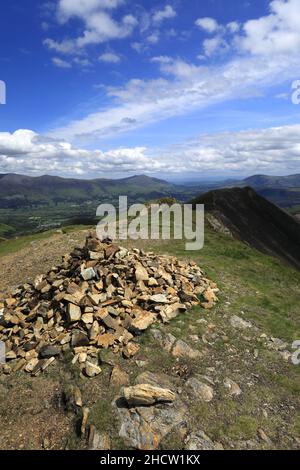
242	393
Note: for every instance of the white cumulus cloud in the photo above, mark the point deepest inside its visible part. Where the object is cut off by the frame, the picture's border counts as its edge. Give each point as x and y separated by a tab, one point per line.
275	33
83	8
110	57
210	25
25	151
63	64
98	24
272	151
164	14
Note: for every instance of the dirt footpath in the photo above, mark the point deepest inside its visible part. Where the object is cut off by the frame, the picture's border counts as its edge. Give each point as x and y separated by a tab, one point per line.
36	258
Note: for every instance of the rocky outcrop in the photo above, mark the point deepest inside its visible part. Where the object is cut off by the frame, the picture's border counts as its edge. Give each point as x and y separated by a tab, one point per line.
102	296
145	394
148	412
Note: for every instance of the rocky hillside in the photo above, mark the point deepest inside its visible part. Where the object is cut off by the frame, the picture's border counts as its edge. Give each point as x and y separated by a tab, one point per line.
255	221
207	379
101	297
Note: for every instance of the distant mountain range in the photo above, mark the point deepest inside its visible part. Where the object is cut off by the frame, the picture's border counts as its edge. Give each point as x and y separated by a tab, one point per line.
254	220
31	204
282	190
292	181
17	191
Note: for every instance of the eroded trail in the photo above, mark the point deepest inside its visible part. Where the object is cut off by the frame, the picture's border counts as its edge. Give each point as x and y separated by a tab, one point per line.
36	258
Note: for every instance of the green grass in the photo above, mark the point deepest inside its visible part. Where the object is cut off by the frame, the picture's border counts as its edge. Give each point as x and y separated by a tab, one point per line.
261	286
15	244
172	441
6	230
101	416
257	287
266	289
295	209
245	427
296	426
104	419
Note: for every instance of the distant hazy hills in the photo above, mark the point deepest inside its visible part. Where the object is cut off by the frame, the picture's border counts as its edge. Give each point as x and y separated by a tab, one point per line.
29	204
18	191
254	220
282	190
292	181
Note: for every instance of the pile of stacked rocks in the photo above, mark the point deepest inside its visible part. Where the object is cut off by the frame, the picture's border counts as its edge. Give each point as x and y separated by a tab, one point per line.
101	296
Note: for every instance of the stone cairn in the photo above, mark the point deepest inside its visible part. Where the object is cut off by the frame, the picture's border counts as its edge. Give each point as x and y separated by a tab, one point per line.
102	296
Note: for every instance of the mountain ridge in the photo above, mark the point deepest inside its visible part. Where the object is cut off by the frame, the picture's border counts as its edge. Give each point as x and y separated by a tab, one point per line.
289	181
22	191
256	221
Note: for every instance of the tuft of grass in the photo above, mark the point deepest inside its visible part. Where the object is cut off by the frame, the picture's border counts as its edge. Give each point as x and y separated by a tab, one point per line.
6	230
296	426
245	427
102	417
172	441
15	244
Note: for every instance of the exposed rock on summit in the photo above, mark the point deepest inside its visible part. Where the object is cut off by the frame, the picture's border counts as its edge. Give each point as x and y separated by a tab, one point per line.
145	394
101	296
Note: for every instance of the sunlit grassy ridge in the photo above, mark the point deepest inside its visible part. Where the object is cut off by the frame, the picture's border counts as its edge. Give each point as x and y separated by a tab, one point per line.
15	244
264	288
267	290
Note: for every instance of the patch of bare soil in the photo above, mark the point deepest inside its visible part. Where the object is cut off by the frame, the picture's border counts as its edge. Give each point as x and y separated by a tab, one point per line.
30	418
38	257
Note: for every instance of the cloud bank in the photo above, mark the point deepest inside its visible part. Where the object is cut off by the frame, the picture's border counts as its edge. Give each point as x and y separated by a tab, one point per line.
271	151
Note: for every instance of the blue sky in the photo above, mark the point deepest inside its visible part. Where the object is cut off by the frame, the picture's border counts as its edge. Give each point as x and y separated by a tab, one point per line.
174	89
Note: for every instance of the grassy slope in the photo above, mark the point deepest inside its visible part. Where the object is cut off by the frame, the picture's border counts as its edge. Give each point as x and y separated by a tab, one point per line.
264	288
264	291
6	230
15	244
253	286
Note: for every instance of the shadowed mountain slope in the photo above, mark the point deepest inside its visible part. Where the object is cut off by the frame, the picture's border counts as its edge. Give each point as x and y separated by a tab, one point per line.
256	221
